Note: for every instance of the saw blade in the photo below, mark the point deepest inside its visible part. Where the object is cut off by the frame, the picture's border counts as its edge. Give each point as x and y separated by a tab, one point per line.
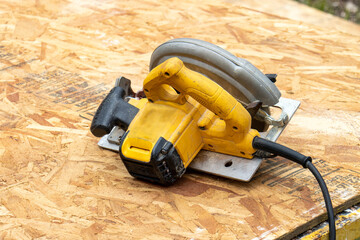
236	75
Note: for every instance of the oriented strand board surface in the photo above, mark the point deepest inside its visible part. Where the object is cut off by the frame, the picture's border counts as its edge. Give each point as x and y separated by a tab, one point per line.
300	12
58	59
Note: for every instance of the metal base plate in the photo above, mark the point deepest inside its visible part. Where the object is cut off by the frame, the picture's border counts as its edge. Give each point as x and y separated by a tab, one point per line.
219	164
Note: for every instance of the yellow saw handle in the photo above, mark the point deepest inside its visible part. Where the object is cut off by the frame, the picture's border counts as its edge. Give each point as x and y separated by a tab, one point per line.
173	73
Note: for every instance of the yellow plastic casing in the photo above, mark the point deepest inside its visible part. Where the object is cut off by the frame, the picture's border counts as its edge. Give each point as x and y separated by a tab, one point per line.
190	111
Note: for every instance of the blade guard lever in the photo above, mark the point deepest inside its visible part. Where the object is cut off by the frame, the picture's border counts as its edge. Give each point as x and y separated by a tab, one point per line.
113	110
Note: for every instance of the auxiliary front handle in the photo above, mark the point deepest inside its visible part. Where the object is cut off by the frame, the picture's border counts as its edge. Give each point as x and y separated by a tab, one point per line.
173	73
113	111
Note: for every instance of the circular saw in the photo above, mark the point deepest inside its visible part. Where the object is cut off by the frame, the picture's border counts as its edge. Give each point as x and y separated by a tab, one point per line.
125	119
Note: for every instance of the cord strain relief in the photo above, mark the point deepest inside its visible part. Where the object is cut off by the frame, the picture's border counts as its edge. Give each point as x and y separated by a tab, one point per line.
307	161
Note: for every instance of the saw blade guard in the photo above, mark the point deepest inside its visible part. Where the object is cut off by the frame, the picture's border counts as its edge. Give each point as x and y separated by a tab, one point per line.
236	75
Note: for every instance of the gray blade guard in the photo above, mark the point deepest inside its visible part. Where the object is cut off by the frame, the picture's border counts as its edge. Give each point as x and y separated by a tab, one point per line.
236	75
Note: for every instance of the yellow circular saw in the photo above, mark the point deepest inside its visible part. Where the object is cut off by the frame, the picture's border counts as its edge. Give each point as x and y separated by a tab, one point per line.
183	107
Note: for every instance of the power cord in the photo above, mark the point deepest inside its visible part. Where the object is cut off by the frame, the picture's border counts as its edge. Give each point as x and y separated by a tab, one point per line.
265	145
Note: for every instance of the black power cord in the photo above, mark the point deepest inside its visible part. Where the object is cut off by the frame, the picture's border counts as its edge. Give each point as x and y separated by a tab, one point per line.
280	150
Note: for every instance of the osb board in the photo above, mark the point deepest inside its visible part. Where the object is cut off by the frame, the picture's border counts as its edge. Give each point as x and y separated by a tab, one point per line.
300	12
60	58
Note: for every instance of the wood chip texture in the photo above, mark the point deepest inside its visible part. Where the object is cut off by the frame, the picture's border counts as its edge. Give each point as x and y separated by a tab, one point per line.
59	59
